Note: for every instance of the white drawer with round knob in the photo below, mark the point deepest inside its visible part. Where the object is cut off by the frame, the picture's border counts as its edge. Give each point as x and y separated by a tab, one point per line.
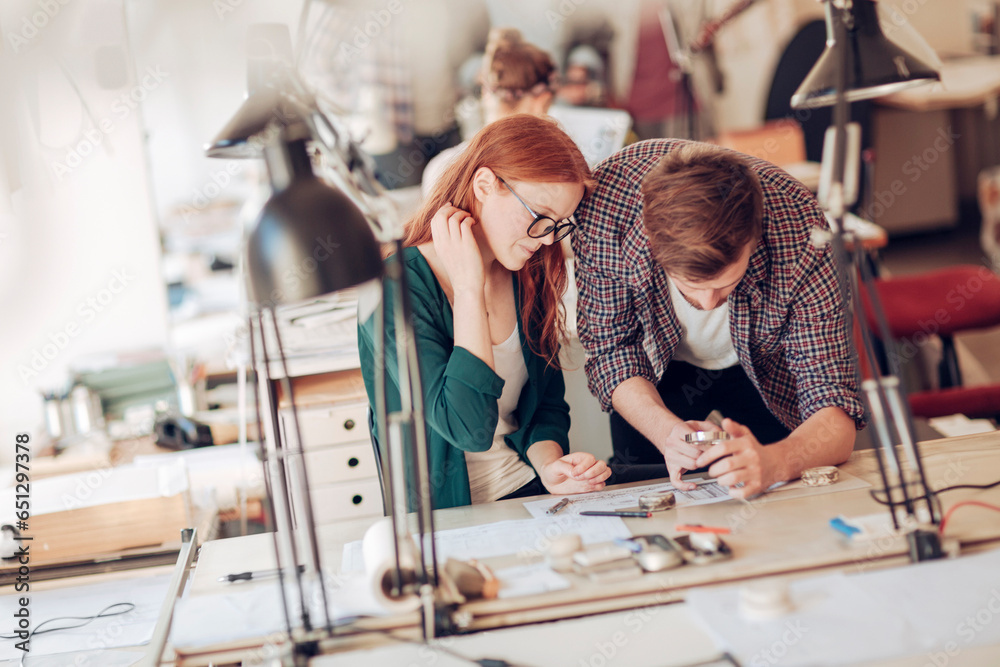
346	500
327	425
340	463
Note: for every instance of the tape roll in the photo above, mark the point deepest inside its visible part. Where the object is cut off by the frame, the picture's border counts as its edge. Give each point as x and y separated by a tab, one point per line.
657	502
821	476
379	557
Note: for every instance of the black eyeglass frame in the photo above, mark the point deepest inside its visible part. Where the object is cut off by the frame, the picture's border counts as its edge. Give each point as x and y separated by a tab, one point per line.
560	229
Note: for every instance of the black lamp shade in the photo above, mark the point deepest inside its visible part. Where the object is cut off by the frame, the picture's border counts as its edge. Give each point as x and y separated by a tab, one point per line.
875	65
310	240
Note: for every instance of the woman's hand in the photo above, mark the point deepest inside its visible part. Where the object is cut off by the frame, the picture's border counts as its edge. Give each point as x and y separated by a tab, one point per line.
456	248
578	472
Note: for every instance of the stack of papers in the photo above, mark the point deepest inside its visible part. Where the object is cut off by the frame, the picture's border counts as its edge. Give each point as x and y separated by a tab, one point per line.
927	608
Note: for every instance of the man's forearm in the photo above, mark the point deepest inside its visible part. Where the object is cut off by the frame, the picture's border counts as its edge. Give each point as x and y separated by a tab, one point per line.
825	439
637	400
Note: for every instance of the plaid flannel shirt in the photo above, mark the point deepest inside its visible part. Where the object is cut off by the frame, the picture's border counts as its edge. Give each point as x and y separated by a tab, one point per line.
784	315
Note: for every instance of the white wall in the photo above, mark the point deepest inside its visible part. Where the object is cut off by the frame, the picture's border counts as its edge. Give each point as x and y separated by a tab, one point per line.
79	247
79	269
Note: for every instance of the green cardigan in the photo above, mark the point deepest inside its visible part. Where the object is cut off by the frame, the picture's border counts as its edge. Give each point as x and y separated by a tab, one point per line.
460	390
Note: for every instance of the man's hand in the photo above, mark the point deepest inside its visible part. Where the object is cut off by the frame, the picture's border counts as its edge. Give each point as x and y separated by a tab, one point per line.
740	463
578	472
682	456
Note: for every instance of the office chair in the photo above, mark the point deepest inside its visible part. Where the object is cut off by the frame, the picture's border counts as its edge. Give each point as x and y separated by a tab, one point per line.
942	303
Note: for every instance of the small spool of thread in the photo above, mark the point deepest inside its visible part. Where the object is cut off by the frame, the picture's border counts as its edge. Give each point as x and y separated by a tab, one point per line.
765	600
821	476
657	502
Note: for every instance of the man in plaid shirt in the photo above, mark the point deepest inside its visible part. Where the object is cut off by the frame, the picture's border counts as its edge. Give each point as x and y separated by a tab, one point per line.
700	289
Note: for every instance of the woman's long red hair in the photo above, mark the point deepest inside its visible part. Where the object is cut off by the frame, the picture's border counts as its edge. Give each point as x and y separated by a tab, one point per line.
517	148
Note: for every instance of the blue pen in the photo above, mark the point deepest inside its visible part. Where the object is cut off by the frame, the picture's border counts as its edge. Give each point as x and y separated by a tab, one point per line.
842	526
629	544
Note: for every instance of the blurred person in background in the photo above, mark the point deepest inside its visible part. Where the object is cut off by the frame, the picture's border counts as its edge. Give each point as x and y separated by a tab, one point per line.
392	72
516	77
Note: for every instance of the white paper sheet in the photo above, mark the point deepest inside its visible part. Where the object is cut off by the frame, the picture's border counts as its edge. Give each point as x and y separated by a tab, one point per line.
82	658
525	537
134	628
931	607
530	579
242	612
708	491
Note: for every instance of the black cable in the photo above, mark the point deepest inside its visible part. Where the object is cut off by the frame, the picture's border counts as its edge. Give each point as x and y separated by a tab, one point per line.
880	501
481	662
85	620
969	486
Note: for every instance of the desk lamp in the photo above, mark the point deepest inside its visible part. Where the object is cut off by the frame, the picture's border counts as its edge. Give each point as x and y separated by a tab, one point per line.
859	63
301	212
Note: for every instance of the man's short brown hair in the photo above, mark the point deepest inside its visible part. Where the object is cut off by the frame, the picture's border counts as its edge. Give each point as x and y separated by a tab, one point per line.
702	205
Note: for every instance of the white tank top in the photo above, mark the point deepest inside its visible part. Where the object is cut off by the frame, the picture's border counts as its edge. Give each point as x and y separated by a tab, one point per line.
499	470
705	338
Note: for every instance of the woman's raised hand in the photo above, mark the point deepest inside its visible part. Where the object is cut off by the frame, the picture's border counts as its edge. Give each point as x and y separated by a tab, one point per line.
456	247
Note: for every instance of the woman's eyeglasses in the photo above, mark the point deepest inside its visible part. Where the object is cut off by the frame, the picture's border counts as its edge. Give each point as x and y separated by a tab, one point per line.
543	225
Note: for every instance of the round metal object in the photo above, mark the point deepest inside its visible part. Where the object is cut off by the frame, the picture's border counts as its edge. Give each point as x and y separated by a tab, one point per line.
705	437
657	502
657	560
821	476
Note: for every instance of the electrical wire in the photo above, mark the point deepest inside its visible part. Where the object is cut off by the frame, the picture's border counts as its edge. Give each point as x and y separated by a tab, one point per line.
85	620
874	494
951	510
81	621
725	658
481	662
969	486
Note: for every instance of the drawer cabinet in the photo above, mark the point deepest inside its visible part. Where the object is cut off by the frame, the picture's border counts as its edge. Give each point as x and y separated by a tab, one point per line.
340	463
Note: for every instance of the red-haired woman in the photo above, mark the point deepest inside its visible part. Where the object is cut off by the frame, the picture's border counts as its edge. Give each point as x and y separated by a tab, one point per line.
486	277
